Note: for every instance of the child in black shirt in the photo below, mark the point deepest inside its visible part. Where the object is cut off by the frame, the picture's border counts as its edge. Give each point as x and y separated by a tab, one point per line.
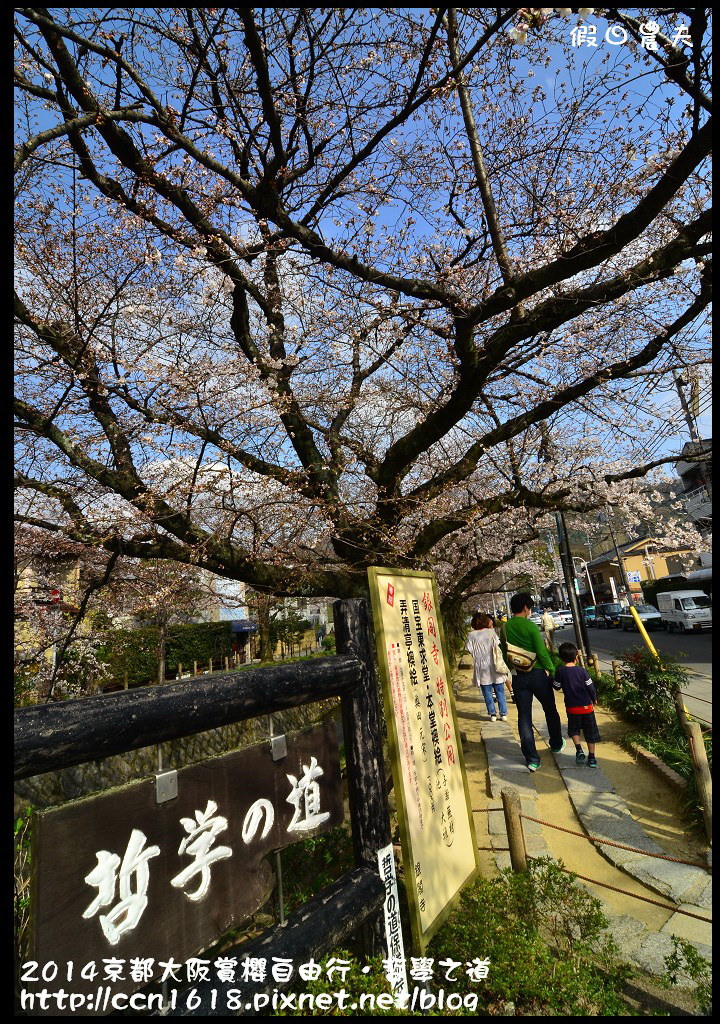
580	696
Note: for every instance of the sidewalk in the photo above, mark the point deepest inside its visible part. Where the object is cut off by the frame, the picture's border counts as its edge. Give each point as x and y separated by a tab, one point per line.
585	800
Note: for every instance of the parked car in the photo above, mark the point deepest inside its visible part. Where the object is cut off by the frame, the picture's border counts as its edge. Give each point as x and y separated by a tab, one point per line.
685	610
608	615
563	617
589	614
648	615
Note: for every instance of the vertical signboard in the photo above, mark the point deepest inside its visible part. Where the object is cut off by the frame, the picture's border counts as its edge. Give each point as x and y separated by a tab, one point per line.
437	833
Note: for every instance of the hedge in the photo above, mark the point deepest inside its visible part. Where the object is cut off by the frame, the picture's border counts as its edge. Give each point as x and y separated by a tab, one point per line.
135	650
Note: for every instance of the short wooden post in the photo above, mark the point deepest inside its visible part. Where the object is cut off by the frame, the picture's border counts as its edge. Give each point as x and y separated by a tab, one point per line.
125	680
194	668
210	667
702	774
227	663
515	834
616	671
581	658
179	671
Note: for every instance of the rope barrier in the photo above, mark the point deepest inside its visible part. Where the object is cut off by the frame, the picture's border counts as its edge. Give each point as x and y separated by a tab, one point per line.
697	718
619	846
694	697
624	892
483	810
495	849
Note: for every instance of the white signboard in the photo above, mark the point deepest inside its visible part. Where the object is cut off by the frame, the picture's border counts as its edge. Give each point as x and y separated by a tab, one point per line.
436	827
393	931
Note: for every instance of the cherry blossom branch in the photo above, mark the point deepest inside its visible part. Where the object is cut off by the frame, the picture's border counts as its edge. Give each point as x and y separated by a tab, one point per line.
483	182
476	366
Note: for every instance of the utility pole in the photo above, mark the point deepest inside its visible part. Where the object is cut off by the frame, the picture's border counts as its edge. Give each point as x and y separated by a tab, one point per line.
689	418
623	574
581	636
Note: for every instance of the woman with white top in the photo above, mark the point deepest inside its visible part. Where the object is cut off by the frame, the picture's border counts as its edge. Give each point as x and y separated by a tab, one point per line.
490	671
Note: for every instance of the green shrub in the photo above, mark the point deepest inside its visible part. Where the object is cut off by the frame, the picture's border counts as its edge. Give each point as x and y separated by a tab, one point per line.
685	959
643	695
24	684
135	651
644	690
542	933
130	650
22	833
197	642
328	643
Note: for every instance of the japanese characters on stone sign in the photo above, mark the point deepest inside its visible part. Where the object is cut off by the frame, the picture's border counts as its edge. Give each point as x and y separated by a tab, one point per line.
120	874
436	827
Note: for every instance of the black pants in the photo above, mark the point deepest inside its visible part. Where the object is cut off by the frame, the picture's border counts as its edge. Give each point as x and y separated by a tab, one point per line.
526	685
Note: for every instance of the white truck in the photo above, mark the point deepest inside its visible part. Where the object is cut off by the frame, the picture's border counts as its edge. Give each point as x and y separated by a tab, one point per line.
685	610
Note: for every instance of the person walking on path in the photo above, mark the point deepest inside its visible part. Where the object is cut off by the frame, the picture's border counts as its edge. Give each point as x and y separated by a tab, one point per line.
524	650
580	696
490	672
548	625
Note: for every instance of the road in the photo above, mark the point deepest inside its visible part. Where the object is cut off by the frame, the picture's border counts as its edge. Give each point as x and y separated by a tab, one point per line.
693	650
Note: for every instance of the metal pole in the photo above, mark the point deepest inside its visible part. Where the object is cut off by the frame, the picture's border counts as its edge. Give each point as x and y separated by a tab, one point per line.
581	637
623	574
692	427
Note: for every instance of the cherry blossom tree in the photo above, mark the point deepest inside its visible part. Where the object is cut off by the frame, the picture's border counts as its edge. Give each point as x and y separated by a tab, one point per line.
305	290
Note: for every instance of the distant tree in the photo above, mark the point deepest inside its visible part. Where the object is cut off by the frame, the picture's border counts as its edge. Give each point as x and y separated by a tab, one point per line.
162	594
289	628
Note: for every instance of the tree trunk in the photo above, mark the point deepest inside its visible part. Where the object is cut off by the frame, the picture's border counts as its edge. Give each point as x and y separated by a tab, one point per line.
161	654
263	616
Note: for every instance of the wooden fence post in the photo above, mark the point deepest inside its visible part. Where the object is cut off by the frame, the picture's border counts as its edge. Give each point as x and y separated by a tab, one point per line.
179	671
125	680
701	769
616	671
227	663
194	668
515	834
210	668
369	812
702	774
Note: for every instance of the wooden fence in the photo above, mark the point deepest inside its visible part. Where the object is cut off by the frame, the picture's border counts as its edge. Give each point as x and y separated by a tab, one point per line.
54	736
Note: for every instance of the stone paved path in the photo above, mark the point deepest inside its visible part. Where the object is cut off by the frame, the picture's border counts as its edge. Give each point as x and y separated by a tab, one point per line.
602	813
